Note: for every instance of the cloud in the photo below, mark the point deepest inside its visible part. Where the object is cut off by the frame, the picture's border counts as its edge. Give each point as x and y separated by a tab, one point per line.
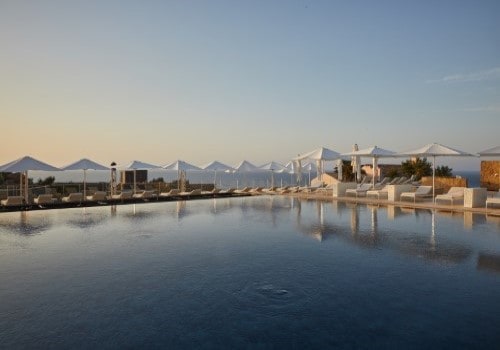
489	74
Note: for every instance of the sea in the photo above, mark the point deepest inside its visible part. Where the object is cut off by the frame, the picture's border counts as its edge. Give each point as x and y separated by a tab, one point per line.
221	179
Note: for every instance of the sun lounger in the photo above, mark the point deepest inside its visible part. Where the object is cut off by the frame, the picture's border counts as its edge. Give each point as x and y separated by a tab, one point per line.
420	193
44	199
196	192
381	193
495	200
75	197
12	201
228	191
97	196
243	190
360	191
173	192
144	195
122	196
454	194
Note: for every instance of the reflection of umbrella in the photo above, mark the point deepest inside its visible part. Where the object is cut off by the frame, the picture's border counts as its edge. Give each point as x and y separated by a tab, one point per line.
374	152
84	164
180	166
138	165
215	166
23	165
435	150
273	167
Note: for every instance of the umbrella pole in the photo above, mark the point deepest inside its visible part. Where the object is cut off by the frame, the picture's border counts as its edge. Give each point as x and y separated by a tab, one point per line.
26	187
434	179
84	184
134	181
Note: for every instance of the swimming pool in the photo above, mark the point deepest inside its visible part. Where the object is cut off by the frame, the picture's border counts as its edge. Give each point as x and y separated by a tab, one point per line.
268	272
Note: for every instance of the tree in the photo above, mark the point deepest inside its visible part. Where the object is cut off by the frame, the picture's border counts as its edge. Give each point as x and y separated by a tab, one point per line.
444	171
418	166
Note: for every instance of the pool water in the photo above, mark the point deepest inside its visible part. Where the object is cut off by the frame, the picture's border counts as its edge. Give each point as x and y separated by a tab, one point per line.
260	272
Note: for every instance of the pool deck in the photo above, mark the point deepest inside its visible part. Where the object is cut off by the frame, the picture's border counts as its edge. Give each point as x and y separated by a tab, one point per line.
422	204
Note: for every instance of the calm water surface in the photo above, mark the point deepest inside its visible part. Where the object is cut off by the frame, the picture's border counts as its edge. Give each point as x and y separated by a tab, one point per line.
264	272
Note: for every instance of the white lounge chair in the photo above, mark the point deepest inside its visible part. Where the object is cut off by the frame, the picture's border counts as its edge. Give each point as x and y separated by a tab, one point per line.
123	195
12	201
44	199
196	192
382	193
97	196
171	193
454	194
420	193
144	195
360	191
73	198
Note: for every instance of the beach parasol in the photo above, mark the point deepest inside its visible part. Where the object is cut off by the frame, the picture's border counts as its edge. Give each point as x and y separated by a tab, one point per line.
273	167
320	155
84	164
138	165
435	150
375	153
23	165
216	166
180	166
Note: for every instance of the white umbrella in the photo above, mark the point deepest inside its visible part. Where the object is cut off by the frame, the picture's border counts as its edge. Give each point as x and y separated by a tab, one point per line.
23	165
138	165
435	150
289	169
320	155
374	152
85	164
180	166
215	166
491	152
273	167
246	167
309	167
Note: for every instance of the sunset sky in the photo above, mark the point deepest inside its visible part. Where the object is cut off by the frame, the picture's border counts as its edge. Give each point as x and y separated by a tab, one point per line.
259	80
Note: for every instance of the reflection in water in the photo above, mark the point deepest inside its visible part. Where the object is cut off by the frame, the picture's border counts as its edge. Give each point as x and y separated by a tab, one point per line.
85	219
27	223
426	246
490	262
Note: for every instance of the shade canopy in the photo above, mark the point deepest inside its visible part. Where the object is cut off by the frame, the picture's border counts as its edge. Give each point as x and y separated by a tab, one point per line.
84	164
26	163
180	165
138	165
491	152
246	166
217	166
273	166
373	151
309	167
435	150
321	153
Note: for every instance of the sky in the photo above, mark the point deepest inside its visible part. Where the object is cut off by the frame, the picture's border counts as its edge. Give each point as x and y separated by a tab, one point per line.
230	80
